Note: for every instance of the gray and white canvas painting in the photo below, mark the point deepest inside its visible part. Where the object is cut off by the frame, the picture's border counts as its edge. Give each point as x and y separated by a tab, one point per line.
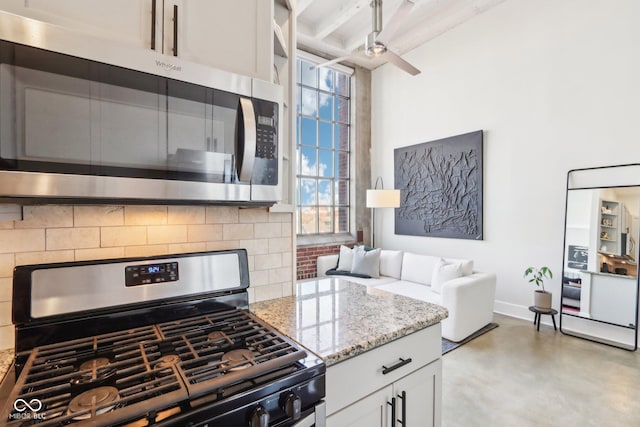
440	185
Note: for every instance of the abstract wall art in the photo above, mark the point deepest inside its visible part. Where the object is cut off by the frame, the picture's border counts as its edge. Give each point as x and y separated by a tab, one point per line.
440	185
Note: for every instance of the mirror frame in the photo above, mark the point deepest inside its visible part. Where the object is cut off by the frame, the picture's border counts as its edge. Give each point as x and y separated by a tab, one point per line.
593	179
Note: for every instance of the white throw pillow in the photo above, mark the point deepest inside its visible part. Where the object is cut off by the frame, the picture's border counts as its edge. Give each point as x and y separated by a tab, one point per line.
345	261
443	273
366	263
467	265
418	268
391	263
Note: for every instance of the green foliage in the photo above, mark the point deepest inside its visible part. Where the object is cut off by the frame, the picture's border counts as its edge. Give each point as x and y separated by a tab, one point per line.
538	275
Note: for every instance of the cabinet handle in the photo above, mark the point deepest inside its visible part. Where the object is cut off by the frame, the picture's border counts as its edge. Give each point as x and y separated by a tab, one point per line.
393	411
175	30
403	397
153	24
400	364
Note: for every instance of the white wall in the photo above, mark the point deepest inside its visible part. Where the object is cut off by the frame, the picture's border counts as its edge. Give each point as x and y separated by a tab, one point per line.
555	85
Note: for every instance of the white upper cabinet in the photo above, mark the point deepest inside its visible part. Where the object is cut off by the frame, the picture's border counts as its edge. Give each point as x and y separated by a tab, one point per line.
231	35
127	21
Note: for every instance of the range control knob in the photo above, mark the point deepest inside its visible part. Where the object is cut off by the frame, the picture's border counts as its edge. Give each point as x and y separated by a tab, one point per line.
292	406
259	417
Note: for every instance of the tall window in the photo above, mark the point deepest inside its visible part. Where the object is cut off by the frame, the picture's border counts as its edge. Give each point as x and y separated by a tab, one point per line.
323	146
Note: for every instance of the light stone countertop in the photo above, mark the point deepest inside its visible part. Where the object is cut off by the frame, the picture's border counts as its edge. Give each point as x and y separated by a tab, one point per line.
337	319
6	358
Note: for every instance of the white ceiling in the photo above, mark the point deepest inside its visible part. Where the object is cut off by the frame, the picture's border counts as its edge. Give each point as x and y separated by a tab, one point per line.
338	27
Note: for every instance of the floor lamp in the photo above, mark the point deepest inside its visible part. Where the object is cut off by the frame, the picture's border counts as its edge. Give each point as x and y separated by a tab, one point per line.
380	198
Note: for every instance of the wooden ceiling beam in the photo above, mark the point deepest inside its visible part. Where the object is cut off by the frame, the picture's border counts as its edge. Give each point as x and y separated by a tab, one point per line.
331	22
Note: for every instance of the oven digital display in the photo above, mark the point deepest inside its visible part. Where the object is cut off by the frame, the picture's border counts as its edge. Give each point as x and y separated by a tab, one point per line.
136	275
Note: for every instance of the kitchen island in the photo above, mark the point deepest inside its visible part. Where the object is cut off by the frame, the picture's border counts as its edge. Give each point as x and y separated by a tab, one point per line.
382	350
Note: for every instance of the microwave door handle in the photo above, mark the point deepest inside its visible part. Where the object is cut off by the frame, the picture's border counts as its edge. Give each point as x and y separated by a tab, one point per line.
175	30
153	24
247	144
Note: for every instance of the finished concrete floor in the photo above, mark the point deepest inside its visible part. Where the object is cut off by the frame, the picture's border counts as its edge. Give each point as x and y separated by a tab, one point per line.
515	376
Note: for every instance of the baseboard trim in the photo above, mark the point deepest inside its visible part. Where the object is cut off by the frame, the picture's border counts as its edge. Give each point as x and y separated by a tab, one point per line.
519	311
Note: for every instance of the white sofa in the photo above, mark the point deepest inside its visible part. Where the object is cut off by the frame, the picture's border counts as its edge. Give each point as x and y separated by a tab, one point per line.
469	298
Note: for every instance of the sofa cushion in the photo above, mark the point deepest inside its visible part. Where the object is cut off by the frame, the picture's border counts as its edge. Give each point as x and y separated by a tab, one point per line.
345	261
412	290
391	263
443	272
418	268
366	263
467	265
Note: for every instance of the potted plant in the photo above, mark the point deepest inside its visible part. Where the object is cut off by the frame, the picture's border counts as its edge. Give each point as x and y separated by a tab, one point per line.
541	298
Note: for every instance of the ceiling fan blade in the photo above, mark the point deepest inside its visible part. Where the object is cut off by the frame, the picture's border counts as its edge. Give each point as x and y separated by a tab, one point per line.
395	22
396	60
333	61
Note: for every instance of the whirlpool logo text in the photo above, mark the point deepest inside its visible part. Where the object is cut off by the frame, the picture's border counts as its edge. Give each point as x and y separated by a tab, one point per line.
27	410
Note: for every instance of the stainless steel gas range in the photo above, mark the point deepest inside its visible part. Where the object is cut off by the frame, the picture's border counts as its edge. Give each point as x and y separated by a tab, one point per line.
162	341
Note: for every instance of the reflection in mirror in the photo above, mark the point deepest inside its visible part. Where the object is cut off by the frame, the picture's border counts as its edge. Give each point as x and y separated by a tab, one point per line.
600	270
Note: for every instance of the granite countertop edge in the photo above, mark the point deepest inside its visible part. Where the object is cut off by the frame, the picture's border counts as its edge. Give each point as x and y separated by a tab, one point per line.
360	348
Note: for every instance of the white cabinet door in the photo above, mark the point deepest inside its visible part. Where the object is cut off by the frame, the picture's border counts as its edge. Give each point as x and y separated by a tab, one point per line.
127	21
232	35
371	411
421	392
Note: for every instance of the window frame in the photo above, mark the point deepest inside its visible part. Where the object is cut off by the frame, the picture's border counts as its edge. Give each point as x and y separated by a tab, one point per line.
333	179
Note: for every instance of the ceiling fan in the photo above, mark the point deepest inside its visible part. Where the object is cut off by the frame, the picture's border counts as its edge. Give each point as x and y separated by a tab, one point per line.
375	44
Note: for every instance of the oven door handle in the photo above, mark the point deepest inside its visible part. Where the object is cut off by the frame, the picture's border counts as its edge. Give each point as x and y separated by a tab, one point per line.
245	140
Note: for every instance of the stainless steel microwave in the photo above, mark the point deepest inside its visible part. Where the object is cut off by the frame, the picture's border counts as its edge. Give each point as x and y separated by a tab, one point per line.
86	119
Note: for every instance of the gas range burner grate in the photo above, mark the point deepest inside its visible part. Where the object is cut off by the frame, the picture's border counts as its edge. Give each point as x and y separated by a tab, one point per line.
226	348
118	377
111	376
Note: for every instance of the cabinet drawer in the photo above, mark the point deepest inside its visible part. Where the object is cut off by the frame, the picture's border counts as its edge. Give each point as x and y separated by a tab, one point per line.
359	376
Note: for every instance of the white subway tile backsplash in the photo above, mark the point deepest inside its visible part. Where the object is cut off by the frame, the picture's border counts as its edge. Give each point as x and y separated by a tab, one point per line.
70	238
26	258
27	240
7	262
255	246
98	253
237	231
46	216
7	339
268	230
268	261
123	236
222	215
253	215
6	289
259	277
98	216
145	215
204	233
186	215
279	244
166	234
146	250
53	233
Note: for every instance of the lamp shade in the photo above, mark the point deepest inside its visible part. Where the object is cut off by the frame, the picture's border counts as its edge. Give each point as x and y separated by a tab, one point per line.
383	198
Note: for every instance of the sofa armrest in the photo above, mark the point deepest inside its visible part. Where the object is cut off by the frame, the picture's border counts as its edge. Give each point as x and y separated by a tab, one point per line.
470	300
324	263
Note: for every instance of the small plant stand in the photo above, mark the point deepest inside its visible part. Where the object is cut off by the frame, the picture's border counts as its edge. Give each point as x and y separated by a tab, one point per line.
539	313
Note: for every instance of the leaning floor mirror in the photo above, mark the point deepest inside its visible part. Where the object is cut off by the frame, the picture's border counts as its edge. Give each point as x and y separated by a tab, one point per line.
599	298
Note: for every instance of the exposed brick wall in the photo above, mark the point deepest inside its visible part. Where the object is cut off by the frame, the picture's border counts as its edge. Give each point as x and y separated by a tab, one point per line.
307	256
